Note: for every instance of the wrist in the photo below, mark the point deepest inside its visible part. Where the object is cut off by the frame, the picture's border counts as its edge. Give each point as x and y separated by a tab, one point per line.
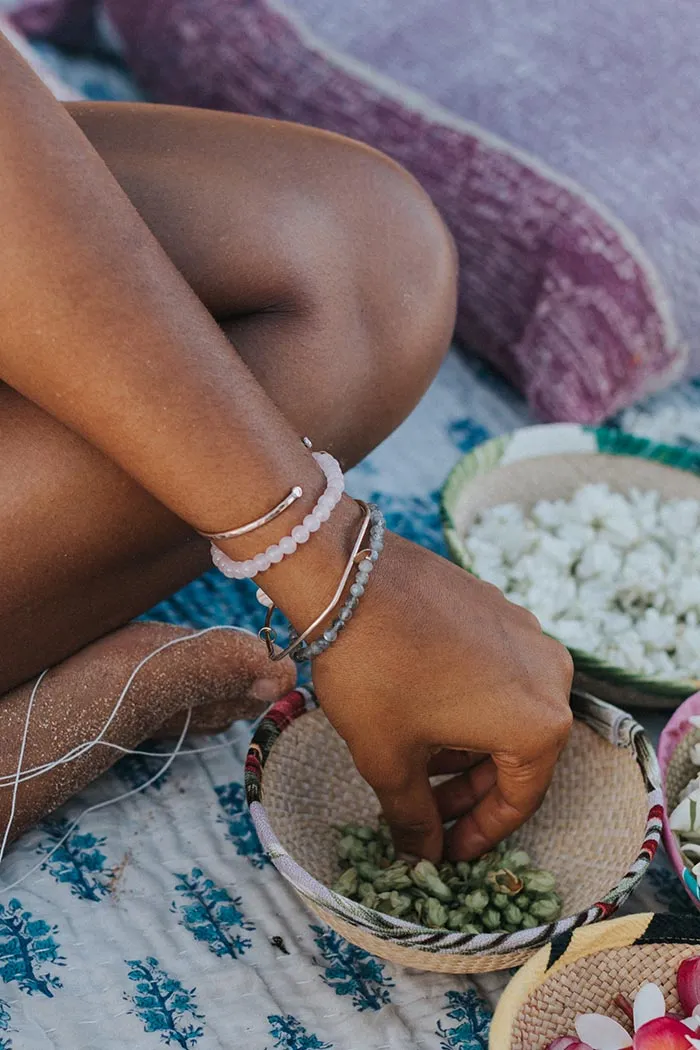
302	584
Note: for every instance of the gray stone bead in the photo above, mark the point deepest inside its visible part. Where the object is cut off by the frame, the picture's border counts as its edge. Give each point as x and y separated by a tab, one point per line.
357	590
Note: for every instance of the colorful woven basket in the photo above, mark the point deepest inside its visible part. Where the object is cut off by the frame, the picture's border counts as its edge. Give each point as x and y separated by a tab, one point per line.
554	461
582	972
597	830
675	743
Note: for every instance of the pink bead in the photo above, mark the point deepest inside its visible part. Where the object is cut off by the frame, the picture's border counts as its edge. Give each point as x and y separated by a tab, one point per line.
335	486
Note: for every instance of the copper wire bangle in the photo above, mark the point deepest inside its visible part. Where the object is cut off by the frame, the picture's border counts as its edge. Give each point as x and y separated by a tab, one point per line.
268	634
294	495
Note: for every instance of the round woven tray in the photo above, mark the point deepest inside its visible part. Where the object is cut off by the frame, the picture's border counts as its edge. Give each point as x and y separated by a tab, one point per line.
554	461
594	831
583	972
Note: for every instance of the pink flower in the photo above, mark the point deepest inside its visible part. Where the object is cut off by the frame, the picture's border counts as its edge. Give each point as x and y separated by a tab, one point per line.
653	1029
664	1033
688	983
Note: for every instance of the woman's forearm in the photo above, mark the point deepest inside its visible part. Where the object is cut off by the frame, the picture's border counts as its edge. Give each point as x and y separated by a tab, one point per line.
100	330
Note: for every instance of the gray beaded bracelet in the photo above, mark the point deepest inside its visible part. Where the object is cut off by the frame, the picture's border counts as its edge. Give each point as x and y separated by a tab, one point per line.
357	589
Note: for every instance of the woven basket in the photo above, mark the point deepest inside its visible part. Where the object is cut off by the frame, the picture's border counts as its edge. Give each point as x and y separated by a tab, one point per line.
554	461
597	830
583	972
677	738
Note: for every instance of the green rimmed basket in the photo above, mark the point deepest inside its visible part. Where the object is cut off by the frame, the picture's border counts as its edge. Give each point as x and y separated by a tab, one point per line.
551	462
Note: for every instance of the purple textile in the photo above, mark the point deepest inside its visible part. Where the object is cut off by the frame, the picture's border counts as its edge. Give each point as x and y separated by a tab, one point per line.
554	292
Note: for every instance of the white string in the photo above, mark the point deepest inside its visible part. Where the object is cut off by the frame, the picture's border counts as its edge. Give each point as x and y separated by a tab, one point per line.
8	779
21	776
80	749
18	774
102	805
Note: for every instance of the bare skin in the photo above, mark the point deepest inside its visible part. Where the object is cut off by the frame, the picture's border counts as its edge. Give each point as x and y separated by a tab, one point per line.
164	346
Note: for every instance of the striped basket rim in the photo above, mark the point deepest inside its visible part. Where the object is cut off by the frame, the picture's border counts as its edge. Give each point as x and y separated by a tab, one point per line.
487	456
614	725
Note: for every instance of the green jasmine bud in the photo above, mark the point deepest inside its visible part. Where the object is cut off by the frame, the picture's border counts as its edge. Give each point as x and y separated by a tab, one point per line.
516	860
478	873
513	915
471	929
546	909
374	851
457	919
538	881
529	922
366	871
426	877
500	900
463	869
476	901
491	919
394	903
423	871
434	913
347	883
393	878
368	897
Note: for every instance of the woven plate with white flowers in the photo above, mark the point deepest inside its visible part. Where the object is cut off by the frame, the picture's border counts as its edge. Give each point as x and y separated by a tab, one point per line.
552	462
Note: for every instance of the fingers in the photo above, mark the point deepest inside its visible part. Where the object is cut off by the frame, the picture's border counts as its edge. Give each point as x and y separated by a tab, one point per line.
460	794
447	761
516	794
409	805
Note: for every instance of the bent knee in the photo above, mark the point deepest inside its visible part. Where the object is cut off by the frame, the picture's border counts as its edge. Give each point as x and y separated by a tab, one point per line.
388	255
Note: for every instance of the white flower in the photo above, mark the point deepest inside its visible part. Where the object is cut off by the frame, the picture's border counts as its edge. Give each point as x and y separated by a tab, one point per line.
612	573
600	559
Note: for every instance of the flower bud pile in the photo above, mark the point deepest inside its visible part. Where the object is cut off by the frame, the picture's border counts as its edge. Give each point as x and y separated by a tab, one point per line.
500	892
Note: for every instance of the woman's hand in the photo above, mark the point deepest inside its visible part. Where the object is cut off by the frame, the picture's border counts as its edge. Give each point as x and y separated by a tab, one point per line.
439	673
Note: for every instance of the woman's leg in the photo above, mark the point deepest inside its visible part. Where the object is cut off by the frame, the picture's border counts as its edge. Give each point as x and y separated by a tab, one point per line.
330	271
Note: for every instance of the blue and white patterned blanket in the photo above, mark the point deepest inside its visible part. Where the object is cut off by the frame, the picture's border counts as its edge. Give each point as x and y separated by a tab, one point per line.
159	922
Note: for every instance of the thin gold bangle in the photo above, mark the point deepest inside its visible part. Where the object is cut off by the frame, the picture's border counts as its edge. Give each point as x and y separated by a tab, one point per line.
267	633
294	495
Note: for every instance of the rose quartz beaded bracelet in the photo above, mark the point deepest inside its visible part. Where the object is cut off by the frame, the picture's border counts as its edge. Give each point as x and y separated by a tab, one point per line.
240	570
